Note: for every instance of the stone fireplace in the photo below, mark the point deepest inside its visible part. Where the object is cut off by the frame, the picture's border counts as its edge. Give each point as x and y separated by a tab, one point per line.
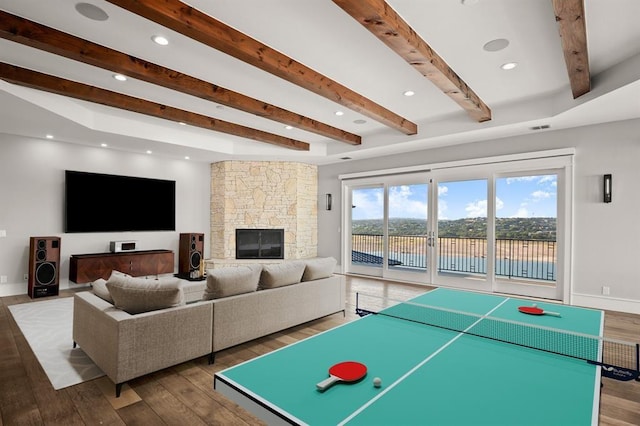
263	195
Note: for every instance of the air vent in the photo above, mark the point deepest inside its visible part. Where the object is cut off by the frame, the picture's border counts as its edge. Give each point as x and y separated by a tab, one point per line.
544	126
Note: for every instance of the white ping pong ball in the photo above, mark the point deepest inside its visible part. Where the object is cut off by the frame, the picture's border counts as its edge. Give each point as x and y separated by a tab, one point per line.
377	382
535	304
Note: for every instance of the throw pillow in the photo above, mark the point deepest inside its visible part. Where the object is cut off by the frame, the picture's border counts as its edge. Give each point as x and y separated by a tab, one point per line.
118	273
100	289
230	281
319	268
137	295
281	274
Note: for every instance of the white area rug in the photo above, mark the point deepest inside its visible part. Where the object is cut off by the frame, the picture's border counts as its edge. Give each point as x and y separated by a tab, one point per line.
47	327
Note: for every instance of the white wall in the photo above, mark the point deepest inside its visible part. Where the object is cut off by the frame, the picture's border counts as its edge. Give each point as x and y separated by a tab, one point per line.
606	236
32	201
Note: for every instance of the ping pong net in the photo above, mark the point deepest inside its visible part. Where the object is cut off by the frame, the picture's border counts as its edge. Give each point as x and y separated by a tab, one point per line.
618	359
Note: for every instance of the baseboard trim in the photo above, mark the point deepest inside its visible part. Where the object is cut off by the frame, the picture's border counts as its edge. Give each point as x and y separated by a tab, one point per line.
607	303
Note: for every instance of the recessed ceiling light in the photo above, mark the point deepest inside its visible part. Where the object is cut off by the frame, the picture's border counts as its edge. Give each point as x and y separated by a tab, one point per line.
509	65
339	113
409	93
120	77
49	136
149	151
359	121
91	11
186	157
182	123
158	39
104	145
496	45
288	127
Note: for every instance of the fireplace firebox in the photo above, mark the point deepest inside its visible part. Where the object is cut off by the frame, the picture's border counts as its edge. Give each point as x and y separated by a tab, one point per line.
259	243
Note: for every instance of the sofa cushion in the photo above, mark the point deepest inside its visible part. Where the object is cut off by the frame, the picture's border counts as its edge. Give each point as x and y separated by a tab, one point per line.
193	291
100	289
229	281
318	268
281	274
137	295
100	286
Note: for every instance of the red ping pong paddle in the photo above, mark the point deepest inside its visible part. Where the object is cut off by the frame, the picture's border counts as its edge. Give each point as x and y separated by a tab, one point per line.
347	371
533	310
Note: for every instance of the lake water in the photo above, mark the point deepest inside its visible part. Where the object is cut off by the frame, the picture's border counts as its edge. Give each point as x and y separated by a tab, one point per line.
517	268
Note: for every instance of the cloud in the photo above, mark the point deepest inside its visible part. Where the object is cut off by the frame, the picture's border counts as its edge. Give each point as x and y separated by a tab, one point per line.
539	179
477	209
522	212
553	179
442	204
521	179
540	195
442	210
404	201
368	204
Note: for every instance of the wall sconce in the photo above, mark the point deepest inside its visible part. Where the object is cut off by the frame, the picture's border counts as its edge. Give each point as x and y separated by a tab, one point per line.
327	200
607	188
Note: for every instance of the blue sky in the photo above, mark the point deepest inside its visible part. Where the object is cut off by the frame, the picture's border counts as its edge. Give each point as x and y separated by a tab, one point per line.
526	196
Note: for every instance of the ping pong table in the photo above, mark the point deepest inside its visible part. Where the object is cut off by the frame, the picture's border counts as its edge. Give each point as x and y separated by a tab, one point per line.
430	375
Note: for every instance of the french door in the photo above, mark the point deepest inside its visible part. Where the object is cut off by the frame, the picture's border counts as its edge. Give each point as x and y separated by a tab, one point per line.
462	232
388	228
365	209
496	231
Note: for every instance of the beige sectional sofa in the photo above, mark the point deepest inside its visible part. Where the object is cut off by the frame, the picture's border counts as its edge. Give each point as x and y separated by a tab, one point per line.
233	306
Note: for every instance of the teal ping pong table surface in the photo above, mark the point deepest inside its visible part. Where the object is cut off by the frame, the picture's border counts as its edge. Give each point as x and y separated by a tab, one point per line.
429	375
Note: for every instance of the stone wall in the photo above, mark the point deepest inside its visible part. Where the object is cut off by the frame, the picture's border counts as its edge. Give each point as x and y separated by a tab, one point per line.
264	194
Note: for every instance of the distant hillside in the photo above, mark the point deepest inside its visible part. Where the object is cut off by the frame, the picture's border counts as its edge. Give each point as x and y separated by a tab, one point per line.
538	228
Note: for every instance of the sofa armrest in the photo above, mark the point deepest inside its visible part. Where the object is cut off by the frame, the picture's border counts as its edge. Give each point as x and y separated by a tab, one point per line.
95	329
126	346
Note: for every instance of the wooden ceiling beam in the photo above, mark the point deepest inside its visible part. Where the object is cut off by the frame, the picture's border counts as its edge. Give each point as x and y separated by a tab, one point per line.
192	23
50	40
61	86
383	22
573	36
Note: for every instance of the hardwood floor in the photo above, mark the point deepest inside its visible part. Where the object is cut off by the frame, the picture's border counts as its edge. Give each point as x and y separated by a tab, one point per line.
183	395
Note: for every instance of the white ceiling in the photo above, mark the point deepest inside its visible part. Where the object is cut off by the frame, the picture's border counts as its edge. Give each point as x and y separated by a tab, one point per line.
320	35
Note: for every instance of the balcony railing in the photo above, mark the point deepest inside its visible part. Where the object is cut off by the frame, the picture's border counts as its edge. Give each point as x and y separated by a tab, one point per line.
515	258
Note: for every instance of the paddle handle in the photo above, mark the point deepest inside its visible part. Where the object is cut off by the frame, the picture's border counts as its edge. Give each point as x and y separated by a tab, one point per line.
553	314
326	383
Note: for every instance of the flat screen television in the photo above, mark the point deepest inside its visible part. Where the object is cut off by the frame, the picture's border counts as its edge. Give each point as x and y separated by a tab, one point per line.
97	202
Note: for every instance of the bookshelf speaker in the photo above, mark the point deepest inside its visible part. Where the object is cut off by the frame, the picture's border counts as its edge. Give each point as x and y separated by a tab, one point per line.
44	264
190	255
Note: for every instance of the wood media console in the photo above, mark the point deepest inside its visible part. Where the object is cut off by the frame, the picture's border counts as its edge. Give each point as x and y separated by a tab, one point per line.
86	268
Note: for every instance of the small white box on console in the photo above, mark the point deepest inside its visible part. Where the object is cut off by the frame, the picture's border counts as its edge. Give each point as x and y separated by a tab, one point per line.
118	246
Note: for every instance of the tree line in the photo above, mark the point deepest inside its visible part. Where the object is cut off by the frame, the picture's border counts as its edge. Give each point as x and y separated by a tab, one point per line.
531	228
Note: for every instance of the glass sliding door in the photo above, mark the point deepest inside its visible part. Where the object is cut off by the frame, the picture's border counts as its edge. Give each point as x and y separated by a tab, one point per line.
389	228
462	230
526	236
367	222
500	227
408	229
